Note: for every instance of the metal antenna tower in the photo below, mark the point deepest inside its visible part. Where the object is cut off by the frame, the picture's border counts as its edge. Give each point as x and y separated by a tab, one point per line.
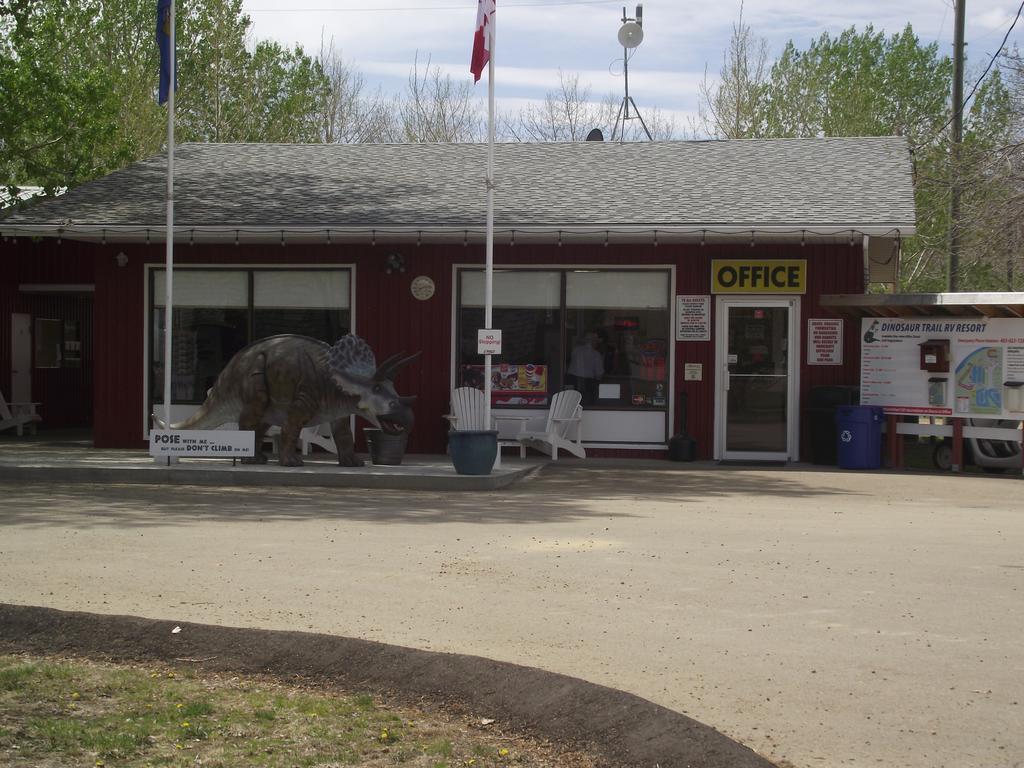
631	34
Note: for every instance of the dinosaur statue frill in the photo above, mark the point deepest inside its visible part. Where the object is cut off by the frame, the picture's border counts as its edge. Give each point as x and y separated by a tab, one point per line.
294	382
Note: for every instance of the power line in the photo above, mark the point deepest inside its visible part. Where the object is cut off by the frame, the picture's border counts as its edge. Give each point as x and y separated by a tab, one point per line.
407	9
998	51
984	74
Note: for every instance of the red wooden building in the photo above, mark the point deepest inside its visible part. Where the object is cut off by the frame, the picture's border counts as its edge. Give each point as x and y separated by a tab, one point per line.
680	267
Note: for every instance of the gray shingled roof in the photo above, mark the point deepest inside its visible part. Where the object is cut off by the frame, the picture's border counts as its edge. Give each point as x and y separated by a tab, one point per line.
817	184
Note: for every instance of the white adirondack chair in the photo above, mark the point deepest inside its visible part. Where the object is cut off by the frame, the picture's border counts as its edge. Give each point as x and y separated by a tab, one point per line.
467	409
18	415
308	437
565	418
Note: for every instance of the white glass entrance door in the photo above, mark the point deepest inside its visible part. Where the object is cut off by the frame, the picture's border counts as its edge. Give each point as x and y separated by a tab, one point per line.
757	357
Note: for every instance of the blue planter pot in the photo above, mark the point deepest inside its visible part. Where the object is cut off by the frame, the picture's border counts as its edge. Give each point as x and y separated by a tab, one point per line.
473	451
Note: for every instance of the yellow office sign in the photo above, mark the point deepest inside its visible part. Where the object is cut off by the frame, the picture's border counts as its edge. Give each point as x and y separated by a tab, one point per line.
758	276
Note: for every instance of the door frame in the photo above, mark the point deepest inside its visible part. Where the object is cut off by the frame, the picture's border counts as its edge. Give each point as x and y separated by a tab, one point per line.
722	305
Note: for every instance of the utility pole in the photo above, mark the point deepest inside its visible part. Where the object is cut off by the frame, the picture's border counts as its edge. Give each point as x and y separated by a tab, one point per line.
957	140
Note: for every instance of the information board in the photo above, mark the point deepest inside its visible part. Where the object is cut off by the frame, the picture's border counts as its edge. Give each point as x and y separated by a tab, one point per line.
944	367
693	318
824	341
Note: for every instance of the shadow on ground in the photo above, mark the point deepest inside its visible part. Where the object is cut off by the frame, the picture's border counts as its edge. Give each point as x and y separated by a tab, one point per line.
564	492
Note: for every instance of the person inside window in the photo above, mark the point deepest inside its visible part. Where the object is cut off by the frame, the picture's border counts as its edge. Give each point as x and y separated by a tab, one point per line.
586	367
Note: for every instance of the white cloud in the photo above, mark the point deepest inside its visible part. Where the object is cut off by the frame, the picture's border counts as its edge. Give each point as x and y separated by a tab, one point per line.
534	42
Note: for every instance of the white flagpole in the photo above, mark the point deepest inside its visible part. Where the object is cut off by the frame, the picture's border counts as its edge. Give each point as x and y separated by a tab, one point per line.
169	276
489	273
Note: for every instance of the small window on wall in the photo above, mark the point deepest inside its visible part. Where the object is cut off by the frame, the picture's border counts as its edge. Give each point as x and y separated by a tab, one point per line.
49	340
218	312
527	309
615	325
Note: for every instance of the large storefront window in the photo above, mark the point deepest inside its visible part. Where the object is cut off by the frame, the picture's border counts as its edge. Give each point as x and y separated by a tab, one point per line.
603	332
616	326
527	309
218	312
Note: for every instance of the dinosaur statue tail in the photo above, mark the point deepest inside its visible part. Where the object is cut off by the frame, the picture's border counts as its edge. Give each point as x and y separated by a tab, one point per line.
210	415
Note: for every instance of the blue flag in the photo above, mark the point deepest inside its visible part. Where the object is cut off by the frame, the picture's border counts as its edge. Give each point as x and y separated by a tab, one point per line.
163	39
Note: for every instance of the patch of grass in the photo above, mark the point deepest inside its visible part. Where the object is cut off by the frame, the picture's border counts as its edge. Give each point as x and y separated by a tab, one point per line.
88	713
441	747
13	677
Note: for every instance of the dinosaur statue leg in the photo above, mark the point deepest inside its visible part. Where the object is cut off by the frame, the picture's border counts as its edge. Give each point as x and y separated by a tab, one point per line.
255	401
346	443
289	454
251	417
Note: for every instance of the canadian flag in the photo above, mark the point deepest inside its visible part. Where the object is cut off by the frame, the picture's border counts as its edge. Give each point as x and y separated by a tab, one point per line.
483	39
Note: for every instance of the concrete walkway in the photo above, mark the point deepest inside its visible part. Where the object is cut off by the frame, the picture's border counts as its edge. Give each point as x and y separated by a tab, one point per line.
39	459
821	618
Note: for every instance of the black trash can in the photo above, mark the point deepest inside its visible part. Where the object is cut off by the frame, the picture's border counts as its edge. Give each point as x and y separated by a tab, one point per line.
822	405
682	447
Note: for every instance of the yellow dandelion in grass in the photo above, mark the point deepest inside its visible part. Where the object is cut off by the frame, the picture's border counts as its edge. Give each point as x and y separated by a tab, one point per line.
179	706
384	735
178	746
185	724
502	752
76	695
170	674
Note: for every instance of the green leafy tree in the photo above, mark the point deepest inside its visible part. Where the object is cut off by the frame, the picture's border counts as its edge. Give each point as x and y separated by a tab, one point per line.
78	80
72	106
857	84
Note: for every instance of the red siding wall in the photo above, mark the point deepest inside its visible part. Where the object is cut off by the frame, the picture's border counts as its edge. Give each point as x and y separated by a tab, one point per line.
391	320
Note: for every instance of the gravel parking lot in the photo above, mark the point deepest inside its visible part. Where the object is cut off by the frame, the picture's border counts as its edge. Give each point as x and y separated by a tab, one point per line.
821	618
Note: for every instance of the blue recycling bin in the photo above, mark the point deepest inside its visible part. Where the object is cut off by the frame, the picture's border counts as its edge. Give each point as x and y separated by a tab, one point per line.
859	436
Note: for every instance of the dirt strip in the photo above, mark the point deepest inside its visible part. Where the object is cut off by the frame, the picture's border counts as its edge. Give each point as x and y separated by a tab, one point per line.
621	728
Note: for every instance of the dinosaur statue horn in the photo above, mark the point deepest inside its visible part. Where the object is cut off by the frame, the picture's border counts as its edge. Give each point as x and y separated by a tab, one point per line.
386	365
391	366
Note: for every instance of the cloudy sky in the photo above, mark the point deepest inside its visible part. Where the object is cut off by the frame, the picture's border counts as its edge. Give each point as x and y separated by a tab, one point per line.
537	38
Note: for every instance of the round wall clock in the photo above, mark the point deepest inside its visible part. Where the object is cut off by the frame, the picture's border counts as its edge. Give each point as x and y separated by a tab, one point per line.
422	287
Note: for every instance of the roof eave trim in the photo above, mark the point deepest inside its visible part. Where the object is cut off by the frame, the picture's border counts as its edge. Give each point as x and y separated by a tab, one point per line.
450	233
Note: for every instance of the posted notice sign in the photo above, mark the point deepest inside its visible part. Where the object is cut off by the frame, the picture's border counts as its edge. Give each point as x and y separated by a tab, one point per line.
693	318
948	367
226	443
824	341
488	341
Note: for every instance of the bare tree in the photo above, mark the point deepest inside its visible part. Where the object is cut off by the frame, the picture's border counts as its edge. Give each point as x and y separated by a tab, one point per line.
566	114
434	108
347	114
728	109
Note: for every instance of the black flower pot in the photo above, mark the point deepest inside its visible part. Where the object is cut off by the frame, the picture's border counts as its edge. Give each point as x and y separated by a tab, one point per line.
386	448
473	451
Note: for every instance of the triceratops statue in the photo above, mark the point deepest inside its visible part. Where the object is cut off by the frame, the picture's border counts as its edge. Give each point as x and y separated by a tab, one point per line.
294	382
